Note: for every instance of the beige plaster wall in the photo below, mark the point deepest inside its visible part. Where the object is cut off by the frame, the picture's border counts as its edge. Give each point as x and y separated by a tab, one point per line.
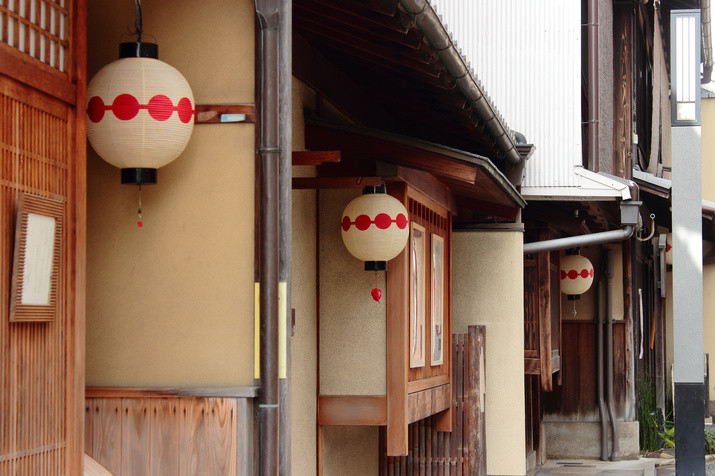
350	451
352	325
172	303
304	294
669	351
586	306
488	289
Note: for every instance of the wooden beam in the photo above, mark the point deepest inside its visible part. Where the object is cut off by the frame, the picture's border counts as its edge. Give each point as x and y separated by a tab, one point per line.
425	383
422	181
352	410
225	113
315	157
544	295
428	402
301	183
318	137
398	306
487	208
168	392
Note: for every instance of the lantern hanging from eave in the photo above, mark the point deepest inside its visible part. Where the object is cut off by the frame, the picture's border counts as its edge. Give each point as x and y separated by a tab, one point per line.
140	112
576	275
374	228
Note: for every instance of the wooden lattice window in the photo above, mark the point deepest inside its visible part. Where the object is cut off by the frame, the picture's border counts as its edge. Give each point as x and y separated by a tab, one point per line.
39	29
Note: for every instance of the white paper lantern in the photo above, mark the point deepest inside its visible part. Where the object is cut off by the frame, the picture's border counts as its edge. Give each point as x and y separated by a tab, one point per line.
576	275
141	113
374	228
669	249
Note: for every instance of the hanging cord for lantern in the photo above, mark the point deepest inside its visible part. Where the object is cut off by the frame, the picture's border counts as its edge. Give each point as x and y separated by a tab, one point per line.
652	229
140	223
138	27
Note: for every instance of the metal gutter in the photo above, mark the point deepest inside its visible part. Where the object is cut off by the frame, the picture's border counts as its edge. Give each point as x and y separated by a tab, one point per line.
430	24
480	161
706	44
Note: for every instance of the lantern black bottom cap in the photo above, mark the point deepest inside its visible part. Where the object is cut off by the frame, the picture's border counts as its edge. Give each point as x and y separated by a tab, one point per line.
574	297
139	176
375	265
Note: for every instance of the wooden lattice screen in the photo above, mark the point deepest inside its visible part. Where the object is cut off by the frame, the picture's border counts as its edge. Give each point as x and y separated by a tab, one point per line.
42	151
462	451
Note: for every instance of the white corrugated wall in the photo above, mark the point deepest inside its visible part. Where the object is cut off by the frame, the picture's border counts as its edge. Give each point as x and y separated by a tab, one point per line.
527	55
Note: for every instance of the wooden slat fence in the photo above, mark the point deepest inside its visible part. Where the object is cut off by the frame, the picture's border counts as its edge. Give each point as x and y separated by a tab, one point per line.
462	451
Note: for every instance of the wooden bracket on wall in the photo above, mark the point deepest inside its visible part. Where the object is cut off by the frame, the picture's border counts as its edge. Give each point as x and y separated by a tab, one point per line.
225	113
315	157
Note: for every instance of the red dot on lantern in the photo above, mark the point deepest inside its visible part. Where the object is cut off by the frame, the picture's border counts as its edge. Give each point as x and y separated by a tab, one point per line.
563	274
584	273
125	107
573	274
362	222
95	109
401	221
160	107
376	294
383	221
345	224
185	110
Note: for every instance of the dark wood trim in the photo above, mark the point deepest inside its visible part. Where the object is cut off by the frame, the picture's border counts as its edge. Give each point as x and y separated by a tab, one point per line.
315	157
301	183
421	181
166	392
27	70
543	270
352	410
419	385
532	366
211	113
428	402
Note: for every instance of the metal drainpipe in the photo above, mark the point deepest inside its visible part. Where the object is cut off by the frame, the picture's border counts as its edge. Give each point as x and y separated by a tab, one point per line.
268	19
599	347
579	240
286	225
610	272
592	60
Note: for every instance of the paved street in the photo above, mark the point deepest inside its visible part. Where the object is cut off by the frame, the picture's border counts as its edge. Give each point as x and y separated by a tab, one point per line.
643	466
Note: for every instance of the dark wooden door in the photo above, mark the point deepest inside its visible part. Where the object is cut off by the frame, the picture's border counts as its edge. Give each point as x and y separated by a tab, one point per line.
42	143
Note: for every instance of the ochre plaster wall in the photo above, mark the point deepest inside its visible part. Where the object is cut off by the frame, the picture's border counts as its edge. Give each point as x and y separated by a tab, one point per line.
304	343
350	451
488	289
172	303
352	325
586	306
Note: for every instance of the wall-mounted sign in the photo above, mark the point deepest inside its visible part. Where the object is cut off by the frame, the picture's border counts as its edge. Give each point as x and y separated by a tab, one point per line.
417	296
437	316
37	258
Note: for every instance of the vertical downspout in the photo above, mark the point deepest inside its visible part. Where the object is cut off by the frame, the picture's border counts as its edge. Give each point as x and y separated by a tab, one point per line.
599	359
610	273
269	155
285	70
592	60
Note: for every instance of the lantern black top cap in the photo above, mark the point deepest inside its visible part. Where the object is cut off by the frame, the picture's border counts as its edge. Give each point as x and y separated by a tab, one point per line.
139	49
573	251
374	189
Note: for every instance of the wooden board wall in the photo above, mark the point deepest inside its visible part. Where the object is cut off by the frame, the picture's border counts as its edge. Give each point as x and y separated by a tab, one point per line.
42	152
576	397
623	110
171	436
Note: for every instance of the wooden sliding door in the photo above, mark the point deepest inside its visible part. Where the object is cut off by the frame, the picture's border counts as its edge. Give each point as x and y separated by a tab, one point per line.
42	153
